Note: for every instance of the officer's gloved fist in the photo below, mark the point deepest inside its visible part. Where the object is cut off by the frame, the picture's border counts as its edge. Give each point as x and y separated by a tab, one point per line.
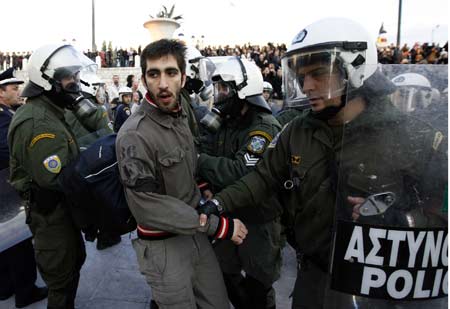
210	207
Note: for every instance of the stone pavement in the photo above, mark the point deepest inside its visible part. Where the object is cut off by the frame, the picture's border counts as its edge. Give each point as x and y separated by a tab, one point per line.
110	279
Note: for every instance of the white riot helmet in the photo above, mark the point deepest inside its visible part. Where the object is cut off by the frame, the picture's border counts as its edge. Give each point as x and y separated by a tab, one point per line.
239	77
198	73
192	58
49	64
324	48
90	82
413	92
124	91
267	87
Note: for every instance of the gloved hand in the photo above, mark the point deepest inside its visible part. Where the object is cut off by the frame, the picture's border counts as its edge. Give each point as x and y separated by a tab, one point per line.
210	207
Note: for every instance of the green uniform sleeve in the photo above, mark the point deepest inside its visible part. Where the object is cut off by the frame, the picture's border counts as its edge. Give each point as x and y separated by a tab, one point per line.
267	178
221	171
47	151
96	121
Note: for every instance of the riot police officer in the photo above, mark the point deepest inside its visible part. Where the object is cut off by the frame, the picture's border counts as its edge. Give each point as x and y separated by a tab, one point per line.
345	149
41	145
123	110
247	127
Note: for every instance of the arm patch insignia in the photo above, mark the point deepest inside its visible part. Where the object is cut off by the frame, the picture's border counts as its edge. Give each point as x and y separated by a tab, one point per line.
53	164
257	144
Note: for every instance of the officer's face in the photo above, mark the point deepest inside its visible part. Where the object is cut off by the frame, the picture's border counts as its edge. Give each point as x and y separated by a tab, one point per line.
163	80
9	94
322	85
126	98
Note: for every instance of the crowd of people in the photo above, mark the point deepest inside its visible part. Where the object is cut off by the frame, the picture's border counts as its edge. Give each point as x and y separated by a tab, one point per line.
215	183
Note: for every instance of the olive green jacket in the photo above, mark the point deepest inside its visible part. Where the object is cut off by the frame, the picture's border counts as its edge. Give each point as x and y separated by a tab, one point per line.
308	152
41	144
237	148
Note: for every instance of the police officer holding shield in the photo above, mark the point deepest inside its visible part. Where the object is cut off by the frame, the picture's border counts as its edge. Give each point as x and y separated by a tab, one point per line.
353	156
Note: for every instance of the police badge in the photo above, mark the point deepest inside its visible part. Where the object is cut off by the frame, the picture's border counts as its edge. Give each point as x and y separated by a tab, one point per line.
53	164
257	144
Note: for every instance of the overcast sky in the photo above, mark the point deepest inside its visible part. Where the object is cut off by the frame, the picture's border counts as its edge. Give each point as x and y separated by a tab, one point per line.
28	24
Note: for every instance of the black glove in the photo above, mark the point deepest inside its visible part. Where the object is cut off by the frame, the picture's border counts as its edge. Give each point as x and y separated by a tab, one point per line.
211	207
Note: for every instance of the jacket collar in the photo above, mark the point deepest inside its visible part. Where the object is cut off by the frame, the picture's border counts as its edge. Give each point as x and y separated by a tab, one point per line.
154	112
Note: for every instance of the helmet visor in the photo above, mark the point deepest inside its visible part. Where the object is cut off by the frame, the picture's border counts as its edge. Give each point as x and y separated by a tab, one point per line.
223	91
63	63
309	77
410	99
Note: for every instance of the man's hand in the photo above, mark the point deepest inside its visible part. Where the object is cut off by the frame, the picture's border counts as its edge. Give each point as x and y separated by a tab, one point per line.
239	233
356	202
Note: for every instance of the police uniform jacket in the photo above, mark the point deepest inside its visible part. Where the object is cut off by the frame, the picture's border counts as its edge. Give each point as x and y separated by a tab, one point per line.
307	152
157	164
122	113
41	144
5	119
236	149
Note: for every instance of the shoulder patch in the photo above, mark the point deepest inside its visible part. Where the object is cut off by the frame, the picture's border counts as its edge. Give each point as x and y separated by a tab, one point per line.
127	111
53	164
262	133
438	137
1	109
257	144
41	136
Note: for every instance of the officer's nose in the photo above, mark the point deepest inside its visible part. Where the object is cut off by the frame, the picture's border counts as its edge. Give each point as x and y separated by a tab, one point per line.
308	84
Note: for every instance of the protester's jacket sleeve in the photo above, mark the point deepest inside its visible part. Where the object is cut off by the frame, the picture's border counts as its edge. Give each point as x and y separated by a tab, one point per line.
145	191
221	171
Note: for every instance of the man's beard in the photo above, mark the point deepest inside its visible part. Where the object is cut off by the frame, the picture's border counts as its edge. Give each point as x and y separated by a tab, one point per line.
173	107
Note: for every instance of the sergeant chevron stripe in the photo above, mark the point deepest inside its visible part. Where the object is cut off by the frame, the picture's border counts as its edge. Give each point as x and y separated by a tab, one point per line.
250	160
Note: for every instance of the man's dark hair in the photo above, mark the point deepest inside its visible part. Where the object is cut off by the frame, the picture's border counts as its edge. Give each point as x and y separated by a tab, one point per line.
163	48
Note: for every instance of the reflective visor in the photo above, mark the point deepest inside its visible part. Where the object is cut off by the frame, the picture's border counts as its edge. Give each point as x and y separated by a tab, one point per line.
408	99
312	75
223	91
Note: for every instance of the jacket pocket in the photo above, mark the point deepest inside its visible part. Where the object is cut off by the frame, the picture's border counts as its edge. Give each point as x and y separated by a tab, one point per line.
176	174
151	256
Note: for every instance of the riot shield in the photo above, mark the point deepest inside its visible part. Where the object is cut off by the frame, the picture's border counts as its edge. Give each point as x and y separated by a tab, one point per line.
13	228
390	245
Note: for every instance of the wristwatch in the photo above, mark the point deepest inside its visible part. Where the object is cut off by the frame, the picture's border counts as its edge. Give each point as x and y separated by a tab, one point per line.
219	207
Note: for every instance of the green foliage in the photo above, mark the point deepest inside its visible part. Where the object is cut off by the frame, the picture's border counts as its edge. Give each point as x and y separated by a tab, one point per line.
165	13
